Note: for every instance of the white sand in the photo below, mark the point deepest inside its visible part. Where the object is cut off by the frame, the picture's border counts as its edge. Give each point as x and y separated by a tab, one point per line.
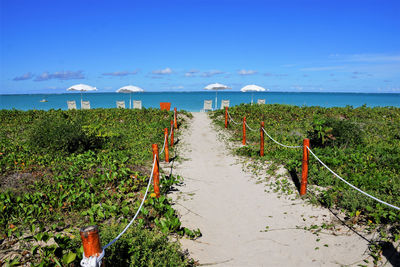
232	211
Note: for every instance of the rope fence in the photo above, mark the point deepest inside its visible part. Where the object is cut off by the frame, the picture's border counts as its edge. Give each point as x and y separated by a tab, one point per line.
306	151
95	259
93	253
349	184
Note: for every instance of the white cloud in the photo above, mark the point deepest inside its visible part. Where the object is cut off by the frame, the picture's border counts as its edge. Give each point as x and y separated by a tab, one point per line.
367	57
163	71
62	75
323	68
211	73
247	72
120	73
191	73
23	77
178	87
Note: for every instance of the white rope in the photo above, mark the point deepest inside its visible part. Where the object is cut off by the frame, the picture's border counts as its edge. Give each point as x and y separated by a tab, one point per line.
249	127
352	186
165	141
92	261
140	207
230	118
170	131
280	143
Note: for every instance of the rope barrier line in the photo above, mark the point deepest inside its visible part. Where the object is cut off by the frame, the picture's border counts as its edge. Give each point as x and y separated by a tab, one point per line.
230	118
349	184
278	142
323	164
250	127
165	141
170	132
96	260
140	207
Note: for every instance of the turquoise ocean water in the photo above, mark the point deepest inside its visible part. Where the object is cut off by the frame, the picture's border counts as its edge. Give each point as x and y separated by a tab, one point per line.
193	101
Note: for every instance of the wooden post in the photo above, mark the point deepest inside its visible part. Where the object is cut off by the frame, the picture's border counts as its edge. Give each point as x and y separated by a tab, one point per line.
226	117
91	241
175	122
172	133
166	152
304	169
156	174
244	131
262	139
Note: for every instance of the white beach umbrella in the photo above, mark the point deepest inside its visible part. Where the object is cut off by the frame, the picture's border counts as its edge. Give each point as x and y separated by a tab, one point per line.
253	88
82	88
216	87
130	89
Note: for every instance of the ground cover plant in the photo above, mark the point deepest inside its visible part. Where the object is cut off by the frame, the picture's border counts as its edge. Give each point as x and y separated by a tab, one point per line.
62	170
360	144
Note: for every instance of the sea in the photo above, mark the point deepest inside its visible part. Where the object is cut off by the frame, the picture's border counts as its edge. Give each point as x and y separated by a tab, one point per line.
194	101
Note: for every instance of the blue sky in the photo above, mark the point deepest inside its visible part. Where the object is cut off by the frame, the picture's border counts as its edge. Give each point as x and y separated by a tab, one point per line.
303	45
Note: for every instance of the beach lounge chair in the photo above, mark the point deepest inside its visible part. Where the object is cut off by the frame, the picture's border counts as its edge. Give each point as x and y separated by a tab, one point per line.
85	105
207	105
71	104
224	103
260	101
137	104
120	104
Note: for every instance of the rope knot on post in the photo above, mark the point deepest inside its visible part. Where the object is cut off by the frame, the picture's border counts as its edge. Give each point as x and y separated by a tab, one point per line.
156	178
175	119
172	133
262	139
226	117
244	131
304	169
92	251
166	152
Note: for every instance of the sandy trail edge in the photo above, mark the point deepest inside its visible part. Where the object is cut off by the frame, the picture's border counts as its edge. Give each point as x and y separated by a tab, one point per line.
232	211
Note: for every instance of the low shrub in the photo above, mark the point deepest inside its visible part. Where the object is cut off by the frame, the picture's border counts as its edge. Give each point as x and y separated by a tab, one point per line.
61	135
335	132
141	247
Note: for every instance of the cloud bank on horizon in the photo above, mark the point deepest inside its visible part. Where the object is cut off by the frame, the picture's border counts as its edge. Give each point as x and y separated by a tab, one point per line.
281	45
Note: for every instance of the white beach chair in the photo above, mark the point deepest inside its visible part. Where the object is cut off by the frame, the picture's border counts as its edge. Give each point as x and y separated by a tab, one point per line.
261	101
85	105
120	104
137	104
225	103
207	105
71	104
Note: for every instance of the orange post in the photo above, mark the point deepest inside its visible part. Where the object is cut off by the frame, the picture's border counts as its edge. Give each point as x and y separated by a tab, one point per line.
91	241
172	133
244	131
304	169
226	117
262	139
156	174
166	152
175	122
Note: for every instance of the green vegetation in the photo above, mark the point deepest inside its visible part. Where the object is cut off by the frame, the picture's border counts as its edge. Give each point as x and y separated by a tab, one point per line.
360	144
61	170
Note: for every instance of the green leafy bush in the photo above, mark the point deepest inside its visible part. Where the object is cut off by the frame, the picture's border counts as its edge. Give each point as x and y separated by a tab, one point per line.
43	183
59	134
335	132
139	247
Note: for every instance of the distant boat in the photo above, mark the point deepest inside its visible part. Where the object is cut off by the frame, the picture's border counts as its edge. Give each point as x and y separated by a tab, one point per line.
43	100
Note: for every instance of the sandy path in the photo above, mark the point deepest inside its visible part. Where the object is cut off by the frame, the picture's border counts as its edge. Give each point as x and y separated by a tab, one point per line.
232	211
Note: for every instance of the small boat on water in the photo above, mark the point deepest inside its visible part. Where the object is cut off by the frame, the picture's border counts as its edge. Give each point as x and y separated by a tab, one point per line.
43	100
